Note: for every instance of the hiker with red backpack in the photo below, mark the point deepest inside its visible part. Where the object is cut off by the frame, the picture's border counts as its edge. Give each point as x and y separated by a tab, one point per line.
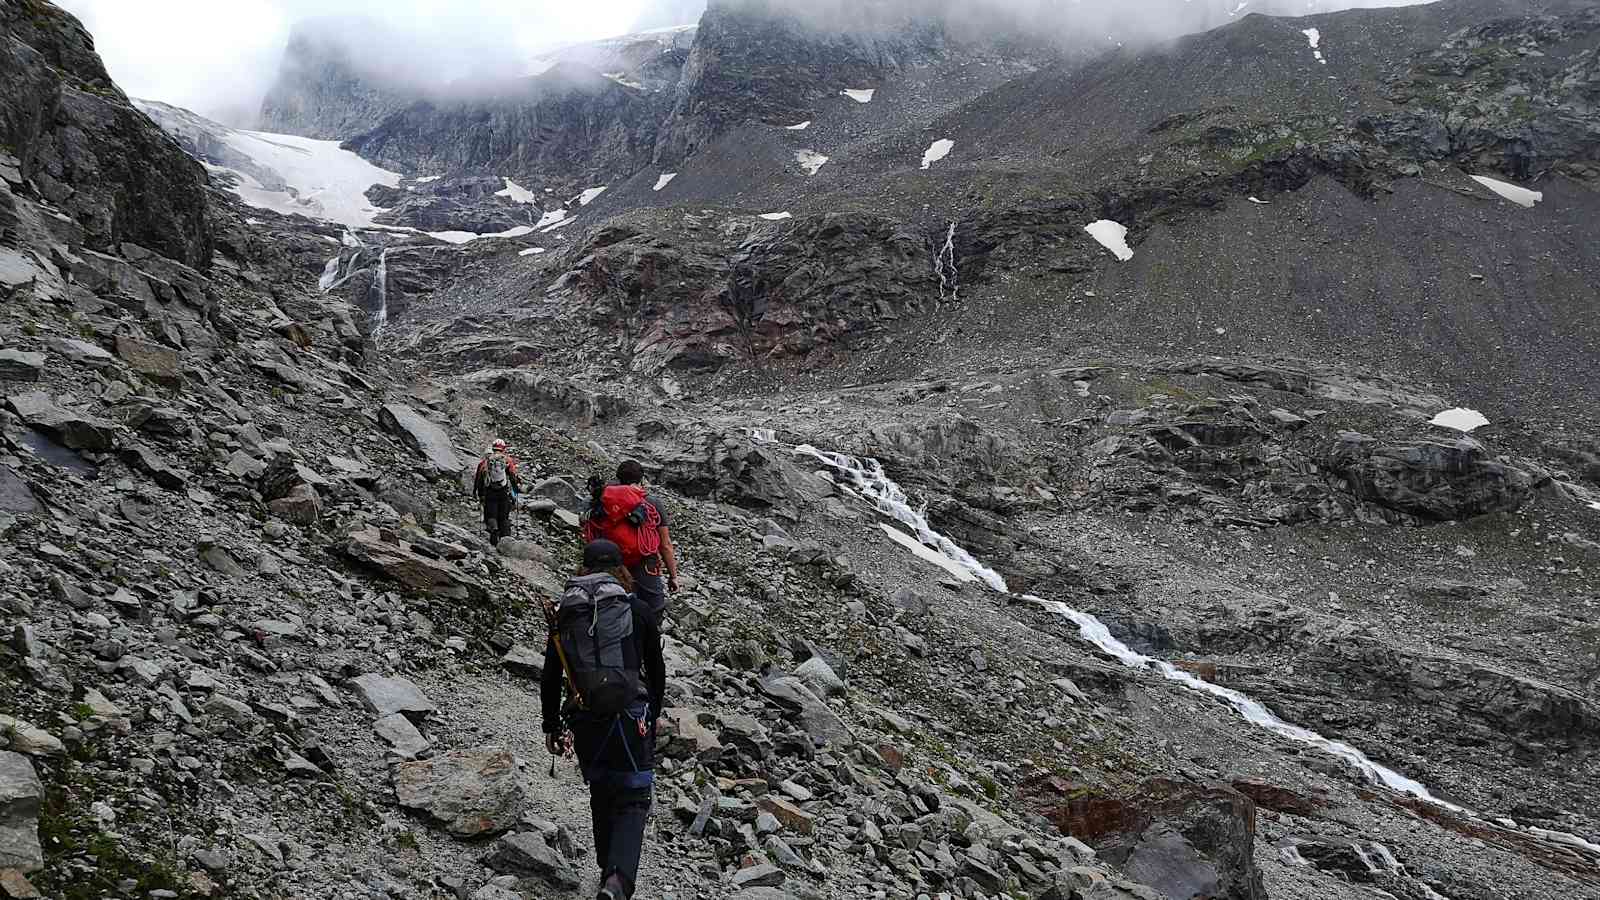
604	680
496	486
625	514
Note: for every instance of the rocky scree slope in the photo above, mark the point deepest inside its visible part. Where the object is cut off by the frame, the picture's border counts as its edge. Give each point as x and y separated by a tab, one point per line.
254	646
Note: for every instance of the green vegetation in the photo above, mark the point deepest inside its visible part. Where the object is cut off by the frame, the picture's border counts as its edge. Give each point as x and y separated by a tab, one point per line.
81	861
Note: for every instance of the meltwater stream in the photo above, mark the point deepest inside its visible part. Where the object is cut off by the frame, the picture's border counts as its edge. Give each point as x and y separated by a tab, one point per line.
867	478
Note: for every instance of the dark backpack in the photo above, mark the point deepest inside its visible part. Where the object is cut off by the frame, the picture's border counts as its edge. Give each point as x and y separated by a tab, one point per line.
594	623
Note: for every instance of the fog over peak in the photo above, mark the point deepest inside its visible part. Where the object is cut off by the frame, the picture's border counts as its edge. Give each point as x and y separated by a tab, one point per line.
220	61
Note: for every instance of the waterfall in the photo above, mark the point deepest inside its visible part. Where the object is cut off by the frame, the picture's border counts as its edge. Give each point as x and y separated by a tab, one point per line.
330	274
380	282
866	479
944	266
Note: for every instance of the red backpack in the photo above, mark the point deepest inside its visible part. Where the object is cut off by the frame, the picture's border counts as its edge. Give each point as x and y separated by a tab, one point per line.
626	518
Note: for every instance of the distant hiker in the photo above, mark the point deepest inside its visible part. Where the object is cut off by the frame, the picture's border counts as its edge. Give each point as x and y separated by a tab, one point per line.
605	651
496	487
626	515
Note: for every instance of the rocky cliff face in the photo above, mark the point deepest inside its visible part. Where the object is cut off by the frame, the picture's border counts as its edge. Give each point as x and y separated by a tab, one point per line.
569	121
324	91
71	132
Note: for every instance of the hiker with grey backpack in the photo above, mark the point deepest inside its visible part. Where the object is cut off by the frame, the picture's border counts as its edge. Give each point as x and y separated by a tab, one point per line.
604	678
496	485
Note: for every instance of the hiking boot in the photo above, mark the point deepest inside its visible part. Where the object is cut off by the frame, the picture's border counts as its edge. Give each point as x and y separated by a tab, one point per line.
612	889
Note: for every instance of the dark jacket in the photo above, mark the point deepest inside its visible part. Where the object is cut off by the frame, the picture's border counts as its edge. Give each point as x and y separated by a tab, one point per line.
652	665
479	488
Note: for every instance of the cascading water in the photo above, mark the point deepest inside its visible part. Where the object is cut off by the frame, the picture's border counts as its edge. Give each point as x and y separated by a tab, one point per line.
944	266
330	275
380	283
867	479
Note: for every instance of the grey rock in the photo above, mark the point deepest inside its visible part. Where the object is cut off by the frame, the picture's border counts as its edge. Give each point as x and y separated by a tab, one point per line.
1431	480
758	876
76	430
301	506
20	365
387	696
524	550
144	459
526	854
820	722
82	352
561	492
21	798
820	677
415	572
15	495
153	361
421	435
401	735
524	661
219	559
467	792
24	737
245	467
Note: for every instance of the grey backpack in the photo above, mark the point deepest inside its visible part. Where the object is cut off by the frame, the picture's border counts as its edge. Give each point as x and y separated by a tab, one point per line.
594	624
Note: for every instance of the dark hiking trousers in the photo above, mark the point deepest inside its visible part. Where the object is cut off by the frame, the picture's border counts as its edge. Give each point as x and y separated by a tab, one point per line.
618	762
620	814
497	514
652	589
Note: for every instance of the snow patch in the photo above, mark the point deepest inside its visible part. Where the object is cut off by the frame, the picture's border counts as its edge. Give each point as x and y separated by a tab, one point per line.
467	237
810	160
1518	195
622	79
531	251
321	180
924	552
664	180
936	151
1460	419
1595	506
587	197
551	218
1314	36
428	179
1260	201
1112	236
776	217
516	192
801	127
860	96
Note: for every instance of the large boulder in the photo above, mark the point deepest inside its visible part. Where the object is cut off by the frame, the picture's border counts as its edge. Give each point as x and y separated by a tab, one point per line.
155	362
546	393
820	722
1182	839
21	796
67	427
527	855
387	696
467	792
421	435
1430	480
418	573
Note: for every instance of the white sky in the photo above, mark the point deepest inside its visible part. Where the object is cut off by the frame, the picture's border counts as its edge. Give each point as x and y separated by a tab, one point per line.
217	58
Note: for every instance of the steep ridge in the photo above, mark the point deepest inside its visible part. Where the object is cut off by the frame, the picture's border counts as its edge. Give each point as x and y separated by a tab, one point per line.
68	129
